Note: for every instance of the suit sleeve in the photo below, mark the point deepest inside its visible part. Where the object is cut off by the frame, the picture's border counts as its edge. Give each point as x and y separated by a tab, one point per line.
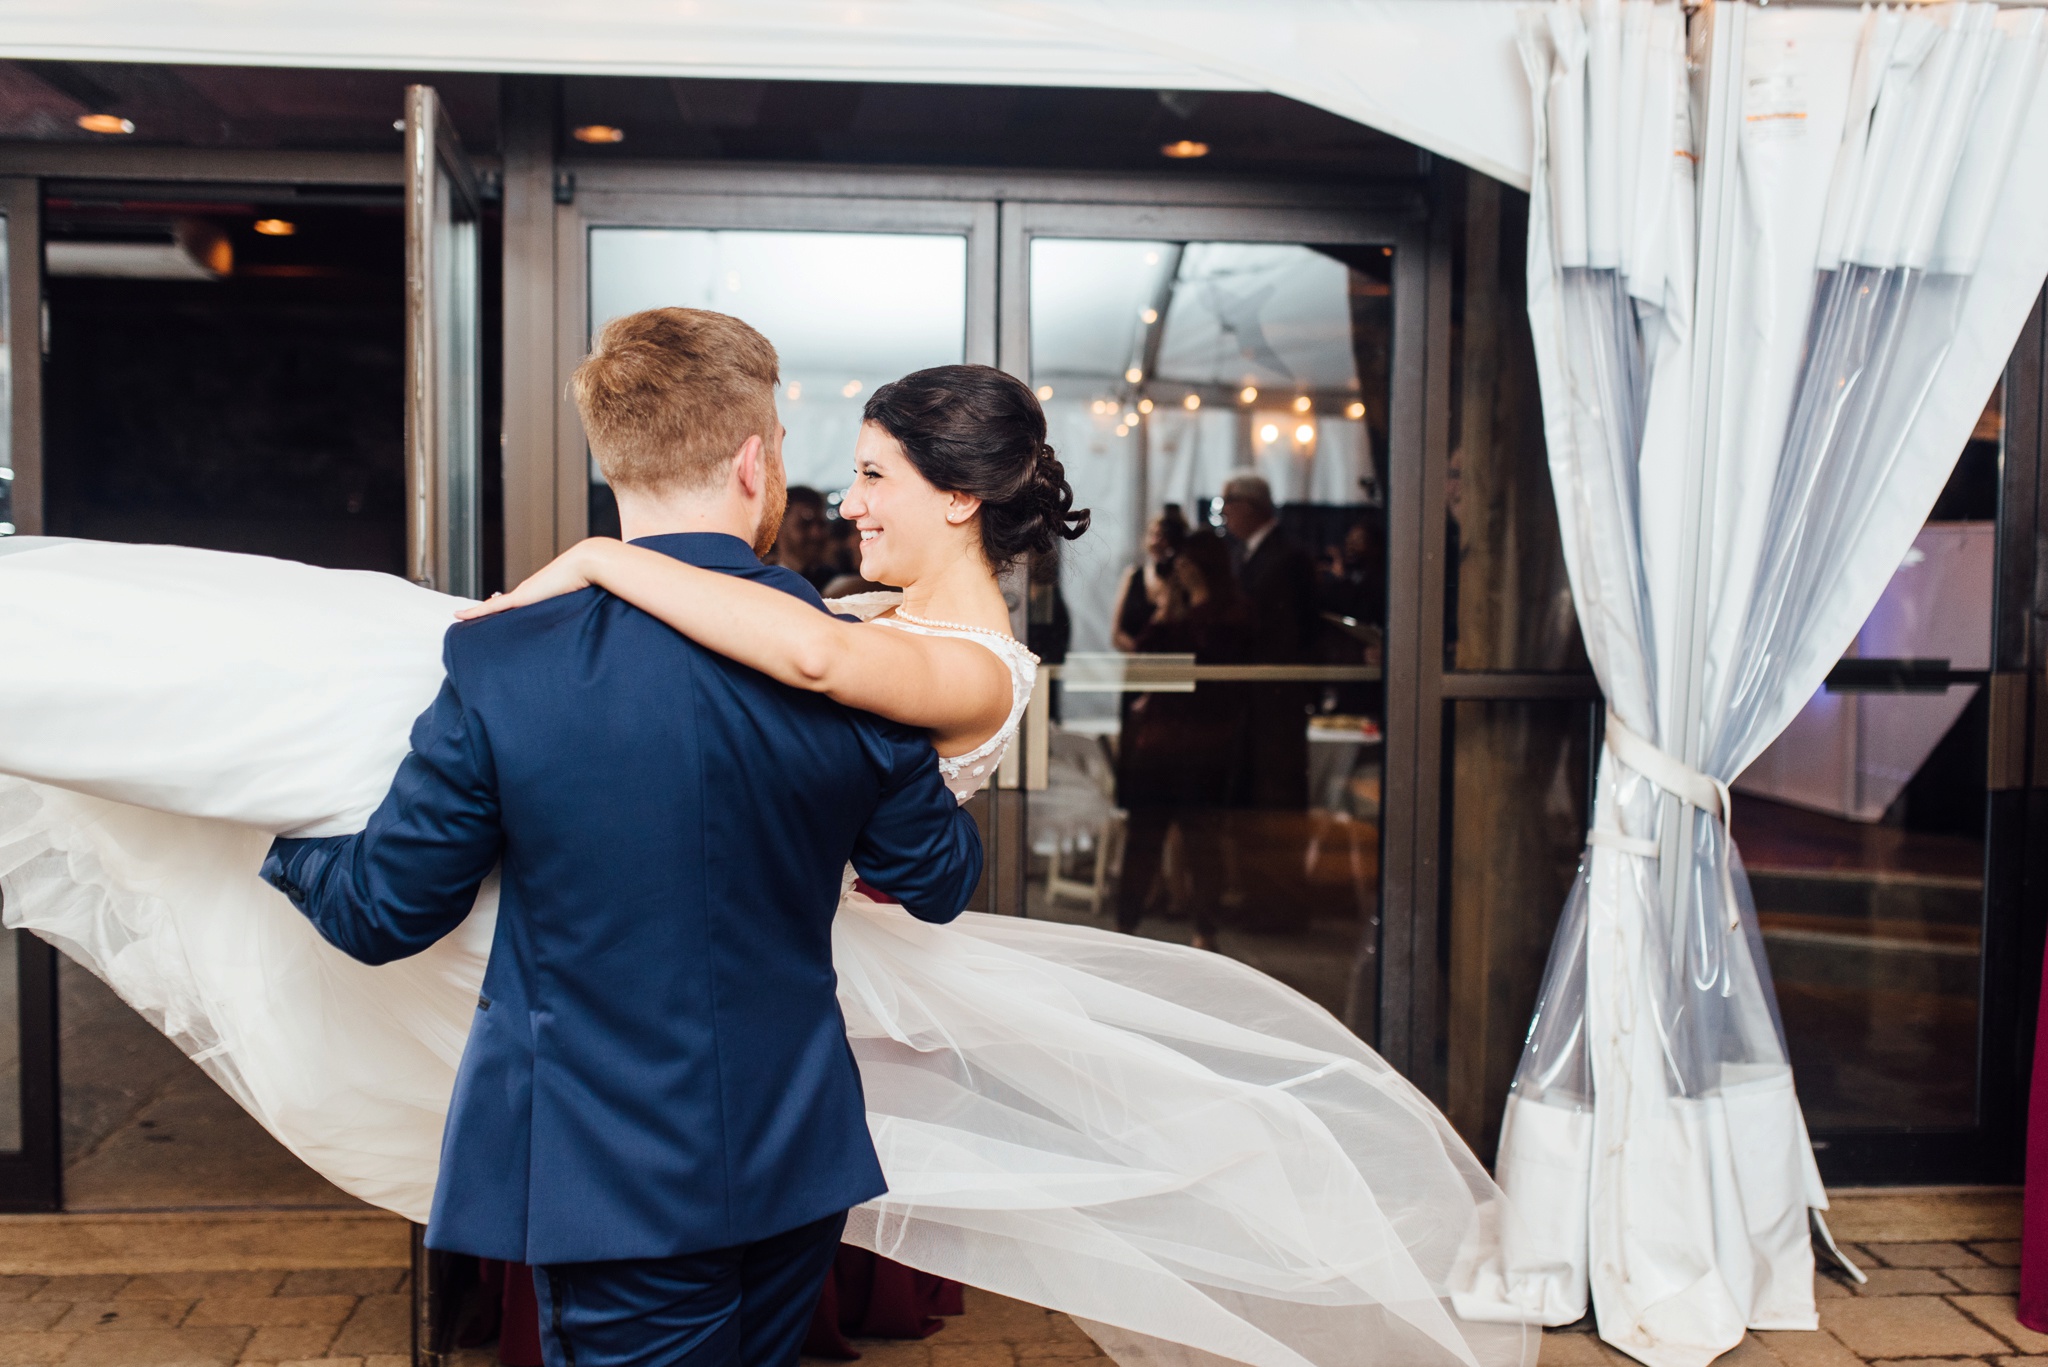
920	846
412	875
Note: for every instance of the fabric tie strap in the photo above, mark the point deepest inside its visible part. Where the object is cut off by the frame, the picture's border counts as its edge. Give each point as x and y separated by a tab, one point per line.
1683	782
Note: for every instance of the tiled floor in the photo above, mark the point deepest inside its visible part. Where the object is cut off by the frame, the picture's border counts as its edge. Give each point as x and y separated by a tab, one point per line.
328	1288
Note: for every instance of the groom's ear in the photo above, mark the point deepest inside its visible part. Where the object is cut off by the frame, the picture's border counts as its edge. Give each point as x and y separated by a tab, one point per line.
750	467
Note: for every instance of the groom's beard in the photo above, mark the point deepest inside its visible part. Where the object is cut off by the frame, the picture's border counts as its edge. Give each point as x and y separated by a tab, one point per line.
774	503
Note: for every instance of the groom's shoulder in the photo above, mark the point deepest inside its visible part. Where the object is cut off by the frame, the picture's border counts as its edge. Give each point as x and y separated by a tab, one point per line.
521	628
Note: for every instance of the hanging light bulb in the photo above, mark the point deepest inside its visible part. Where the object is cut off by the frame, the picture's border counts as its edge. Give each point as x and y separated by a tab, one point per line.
1270	433
1144	405
1249	394
1044	392
1191	402
1149	317
1305	433
1133	375
1354	409
1302	403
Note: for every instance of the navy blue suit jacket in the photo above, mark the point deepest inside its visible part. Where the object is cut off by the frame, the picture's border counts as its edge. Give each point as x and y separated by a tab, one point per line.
658	1065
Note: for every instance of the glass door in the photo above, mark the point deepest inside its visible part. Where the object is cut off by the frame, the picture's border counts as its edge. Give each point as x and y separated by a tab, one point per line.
1223	389
30	1176
443	391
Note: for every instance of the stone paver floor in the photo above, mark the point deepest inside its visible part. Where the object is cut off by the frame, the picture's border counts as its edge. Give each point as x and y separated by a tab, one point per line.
1942	1268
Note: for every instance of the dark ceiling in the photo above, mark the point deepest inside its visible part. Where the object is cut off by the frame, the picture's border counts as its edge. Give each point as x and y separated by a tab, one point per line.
799	121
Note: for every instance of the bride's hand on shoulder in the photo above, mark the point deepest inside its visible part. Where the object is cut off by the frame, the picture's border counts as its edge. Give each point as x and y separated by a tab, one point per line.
573	569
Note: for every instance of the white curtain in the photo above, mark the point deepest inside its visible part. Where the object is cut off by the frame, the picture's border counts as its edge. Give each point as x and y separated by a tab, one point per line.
1884	250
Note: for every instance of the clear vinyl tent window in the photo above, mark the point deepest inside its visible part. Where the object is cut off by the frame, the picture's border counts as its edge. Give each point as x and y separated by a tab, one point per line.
1862	828
1215	758
846	312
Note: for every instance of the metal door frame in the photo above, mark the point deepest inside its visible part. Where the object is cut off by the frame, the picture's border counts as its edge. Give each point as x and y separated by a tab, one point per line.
31	1177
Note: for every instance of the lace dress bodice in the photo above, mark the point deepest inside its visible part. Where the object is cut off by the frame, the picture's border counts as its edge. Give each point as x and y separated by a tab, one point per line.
966	774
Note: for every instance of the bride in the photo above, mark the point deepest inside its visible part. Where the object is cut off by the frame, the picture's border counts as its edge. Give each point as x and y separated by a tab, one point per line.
1195	1162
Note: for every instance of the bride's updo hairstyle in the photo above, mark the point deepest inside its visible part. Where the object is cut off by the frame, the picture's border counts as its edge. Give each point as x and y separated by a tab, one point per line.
973	429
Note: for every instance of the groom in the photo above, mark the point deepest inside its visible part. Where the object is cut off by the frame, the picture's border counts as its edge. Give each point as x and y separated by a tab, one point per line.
657	1107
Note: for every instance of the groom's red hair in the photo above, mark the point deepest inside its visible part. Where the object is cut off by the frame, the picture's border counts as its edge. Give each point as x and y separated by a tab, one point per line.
669	396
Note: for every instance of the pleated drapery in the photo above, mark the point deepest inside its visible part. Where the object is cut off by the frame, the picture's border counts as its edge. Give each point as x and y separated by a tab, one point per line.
1740	463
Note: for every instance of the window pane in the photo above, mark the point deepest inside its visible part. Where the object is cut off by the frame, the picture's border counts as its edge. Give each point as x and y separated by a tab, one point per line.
1240	811
846	312
1862	827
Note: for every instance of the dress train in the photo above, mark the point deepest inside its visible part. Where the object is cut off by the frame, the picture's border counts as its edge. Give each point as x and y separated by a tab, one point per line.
1197	1163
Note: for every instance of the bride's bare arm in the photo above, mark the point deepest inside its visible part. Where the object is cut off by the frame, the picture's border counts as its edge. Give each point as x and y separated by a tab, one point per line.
957	690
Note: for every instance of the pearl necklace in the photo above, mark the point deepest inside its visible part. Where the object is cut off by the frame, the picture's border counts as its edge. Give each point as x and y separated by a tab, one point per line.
916	620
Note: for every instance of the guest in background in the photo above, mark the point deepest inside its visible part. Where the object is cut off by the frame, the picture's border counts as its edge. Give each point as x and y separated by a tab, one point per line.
1141	583
1278	578
1178	751
802	543
1279	582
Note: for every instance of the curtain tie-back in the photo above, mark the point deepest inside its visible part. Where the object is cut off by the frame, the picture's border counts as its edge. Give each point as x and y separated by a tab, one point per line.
1683	782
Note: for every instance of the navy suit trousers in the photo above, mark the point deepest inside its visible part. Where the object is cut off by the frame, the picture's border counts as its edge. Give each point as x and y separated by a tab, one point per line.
730	1307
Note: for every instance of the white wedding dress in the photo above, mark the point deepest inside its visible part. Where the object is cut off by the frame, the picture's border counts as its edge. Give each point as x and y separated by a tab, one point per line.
1197	1163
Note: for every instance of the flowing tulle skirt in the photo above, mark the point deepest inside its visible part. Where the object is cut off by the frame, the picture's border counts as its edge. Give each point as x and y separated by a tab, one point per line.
1196	1162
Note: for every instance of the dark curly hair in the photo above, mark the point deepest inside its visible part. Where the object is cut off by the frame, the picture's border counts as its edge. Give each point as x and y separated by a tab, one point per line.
973	429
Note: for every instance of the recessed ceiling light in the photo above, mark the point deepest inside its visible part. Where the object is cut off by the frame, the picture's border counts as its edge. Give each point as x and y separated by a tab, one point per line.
599	133
105	123
1185	149
276	227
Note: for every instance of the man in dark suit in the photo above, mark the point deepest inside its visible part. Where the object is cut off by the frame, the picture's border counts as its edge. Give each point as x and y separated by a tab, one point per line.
657	1106
1279	579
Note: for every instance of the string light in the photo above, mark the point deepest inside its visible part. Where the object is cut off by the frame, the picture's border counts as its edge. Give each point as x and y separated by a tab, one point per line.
1305	433
1133	375
1249	394
1044	392
1191	402
1302	404
1269	433
1354	409
796	391
1144	405
850	388
1149	317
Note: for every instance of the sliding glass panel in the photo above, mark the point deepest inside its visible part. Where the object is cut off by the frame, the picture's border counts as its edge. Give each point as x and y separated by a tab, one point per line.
846	311
1221	407
1863	828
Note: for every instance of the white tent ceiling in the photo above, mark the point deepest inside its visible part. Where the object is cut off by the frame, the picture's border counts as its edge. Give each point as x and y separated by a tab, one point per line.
1442	74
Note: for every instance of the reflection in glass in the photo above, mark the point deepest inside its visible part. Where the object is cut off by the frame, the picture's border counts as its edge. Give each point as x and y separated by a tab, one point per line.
1862	827
10	1042
1237	809
846	312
